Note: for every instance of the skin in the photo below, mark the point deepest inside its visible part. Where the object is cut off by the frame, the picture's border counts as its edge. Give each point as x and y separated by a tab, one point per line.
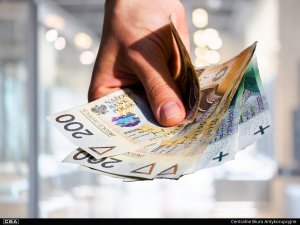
137	47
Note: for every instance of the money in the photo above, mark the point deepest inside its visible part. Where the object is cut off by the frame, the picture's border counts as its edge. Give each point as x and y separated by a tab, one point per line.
133	165
246	120
187	79
118	136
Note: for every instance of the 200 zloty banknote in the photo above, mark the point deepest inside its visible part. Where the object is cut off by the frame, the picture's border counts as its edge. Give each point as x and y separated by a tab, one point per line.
118	136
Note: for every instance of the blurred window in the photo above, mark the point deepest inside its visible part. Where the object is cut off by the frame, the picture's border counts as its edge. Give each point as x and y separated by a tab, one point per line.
14	109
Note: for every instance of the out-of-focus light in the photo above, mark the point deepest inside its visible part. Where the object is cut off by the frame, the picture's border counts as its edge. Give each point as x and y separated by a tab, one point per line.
200	62
54	21
210	33
200	52
215	43
87	57
199	38
83	40
200	18
212	56
51	35
60	43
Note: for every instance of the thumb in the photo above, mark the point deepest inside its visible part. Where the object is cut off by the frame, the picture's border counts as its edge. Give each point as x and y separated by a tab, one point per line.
162	92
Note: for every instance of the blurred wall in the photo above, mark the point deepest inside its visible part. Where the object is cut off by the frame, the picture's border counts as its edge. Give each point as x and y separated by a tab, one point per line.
288	81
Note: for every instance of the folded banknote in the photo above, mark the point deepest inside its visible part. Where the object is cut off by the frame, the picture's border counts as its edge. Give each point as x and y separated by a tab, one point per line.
118	136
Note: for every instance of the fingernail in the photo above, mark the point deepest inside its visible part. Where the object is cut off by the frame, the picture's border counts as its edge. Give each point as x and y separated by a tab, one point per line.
169	110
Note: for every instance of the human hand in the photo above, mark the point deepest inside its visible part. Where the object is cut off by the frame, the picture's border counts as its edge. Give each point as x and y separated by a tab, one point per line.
137	47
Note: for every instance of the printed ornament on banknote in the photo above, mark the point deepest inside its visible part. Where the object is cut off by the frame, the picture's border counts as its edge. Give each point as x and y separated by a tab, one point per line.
118	136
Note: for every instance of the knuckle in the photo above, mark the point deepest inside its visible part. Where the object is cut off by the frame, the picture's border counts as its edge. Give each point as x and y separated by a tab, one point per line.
96	93
157	87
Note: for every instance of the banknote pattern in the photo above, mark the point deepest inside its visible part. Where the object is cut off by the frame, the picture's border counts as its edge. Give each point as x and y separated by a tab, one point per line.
118	136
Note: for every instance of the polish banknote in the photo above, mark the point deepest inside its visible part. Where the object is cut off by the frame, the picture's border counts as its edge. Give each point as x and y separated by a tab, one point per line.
118	136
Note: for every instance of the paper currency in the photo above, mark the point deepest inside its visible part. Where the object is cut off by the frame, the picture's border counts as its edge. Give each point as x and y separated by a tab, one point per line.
187	79
246	120
118	136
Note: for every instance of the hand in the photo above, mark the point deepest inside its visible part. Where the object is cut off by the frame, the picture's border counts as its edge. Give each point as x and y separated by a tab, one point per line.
137	46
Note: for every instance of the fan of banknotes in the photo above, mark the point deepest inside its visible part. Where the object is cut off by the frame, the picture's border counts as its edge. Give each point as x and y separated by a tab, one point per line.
118	136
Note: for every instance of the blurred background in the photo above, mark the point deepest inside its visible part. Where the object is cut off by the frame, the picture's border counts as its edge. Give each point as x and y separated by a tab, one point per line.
47	51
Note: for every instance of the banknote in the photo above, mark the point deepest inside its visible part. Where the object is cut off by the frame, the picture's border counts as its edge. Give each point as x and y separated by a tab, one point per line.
118	136
246	120
99	172
187	79
133	165
124	118
247	108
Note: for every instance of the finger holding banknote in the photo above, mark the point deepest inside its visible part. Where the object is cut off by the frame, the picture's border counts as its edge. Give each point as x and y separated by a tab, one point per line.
137	47
118	136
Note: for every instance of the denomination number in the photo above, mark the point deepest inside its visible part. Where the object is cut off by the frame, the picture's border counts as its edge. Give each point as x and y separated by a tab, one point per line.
105	162
72	126
109	164
93	160
78	157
